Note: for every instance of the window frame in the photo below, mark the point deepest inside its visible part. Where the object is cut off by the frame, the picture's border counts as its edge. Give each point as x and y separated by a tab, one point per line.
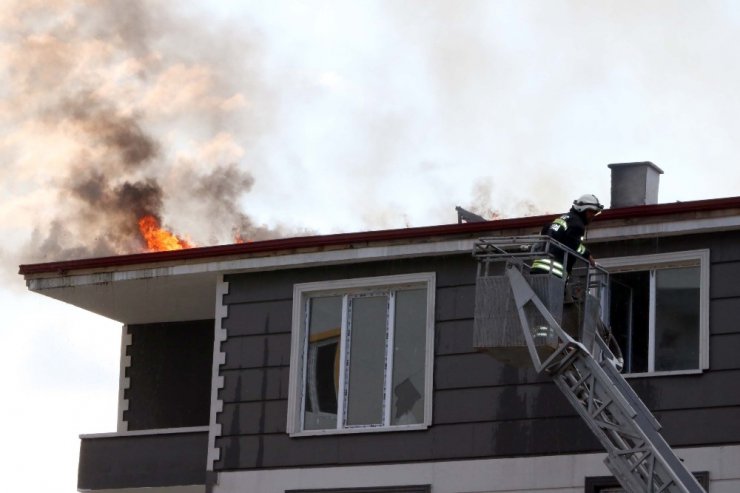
658	261
352	287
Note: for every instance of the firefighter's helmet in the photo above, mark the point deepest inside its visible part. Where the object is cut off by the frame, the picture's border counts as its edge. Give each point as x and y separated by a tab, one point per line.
588	202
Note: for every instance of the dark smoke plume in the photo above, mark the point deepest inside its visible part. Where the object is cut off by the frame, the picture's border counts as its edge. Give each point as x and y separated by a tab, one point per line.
131	110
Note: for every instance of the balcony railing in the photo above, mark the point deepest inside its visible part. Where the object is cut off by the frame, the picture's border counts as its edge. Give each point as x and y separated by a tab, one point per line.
153	458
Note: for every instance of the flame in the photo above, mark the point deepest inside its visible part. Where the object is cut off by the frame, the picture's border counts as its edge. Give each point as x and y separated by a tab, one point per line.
238	238
158	239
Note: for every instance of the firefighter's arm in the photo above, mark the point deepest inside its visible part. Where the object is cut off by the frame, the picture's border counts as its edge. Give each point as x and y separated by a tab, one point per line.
585	253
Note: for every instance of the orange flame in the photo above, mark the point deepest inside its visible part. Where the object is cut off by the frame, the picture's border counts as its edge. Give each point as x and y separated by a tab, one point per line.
158	239
238	238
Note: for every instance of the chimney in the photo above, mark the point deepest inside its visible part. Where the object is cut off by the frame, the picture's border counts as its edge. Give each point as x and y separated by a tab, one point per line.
634	184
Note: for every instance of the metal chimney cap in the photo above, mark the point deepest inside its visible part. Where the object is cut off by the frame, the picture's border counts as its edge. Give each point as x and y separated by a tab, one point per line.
634	184
637	163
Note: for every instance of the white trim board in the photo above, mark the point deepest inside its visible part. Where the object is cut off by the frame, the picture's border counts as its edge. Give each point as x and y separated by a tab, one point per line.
124	382
150	432
217	381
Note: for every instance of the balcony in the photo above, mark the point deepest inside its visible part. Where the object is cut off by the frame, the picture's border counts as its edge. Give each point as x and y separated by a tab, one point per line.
145	459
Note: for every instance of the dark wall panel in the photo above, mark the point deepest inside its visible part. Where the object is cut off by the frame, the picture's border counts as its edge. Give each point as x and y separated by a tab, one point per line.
251	418
479	370
455	303
724	246
271	317
451	270
475	440
257	351
710	389
724	279
482	408
500	403
142	461
724	316
244	385
454	337
723	352
711	426
276	450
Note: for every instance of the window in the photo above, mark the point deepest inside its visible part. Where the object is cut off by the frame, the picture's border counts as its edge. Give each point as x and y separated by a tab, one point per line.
659	310
425	488
609	484
361	355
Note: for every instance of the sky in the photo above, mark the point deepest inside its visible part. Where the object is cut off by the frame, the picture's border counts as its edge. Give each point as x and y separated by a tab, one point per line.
284	118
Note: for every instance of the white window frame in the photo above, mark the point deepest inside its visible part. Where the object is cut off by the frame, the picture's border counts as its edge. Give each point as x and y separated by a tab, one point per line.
301	293
689	258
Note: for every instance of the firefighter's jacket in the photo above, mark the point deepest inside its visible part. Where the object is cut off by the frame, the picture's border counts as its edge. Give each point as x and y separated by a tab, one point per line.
567	229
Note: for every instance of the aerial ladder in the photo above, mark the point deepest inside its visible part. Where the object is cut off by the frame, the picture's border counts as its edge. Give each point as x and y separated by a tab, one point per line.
556	326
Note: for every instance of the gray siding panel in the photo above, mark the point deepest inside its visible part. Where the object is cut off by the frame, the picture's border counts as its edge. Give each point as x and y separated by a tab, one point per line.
542	400
257	351
724	278
244	385
451	270
478	370
724	316
711	389
477	440
482	408
455	303
259	318
500	403
454	337
724	247
277	450
723	352
252	418
714	425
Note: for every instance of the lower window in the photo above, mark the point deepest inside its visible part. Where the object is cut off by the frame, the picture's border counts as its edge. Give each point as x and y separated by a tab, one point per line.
658	311
362	354
609	484
423	488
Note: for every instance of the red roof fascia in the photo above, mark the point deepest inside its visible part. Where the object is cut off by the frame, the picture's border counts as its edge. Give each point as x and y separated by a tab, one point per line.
301	242
365	237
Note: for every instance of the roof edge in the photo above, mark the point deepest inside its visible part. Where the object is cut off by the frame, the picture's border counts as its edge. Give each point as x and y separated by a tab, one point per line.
338	239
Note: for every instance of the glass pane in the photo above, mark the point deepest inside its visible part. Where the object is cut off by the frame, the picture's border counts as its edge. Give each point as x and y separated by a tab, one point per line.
409	352
368	322
630	317
322	363
677	319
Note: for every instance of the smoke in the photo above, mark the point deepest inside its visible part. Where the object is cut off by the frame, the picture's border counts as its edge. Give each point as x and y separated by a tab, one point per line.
112	110
485	195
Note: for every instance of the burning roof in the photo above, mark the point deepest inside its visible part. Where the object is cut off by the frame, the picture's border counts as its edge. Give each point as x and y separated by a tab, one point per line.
181	250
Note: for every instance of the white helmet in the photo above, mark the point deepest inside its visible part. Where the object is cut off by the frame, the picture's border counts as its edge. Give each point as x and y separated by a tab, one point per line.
587	202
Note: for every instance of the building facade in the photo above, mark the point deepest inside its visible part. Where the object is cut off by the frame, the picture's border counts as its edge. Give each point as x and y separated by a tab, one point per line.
345	363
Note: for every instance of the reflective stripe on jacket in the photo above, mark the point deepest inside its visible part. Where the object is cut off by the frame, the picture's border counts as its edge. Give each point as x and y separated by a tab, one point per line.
548	265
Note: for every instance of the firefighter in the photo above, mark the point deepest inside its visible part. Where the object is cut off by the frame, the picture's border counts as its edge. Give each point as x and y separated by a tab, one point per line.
569	229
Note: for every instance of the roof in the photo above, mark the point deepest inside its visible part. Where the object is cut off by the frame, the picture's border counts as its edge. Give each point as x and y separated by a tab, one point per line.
183	284
656	211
